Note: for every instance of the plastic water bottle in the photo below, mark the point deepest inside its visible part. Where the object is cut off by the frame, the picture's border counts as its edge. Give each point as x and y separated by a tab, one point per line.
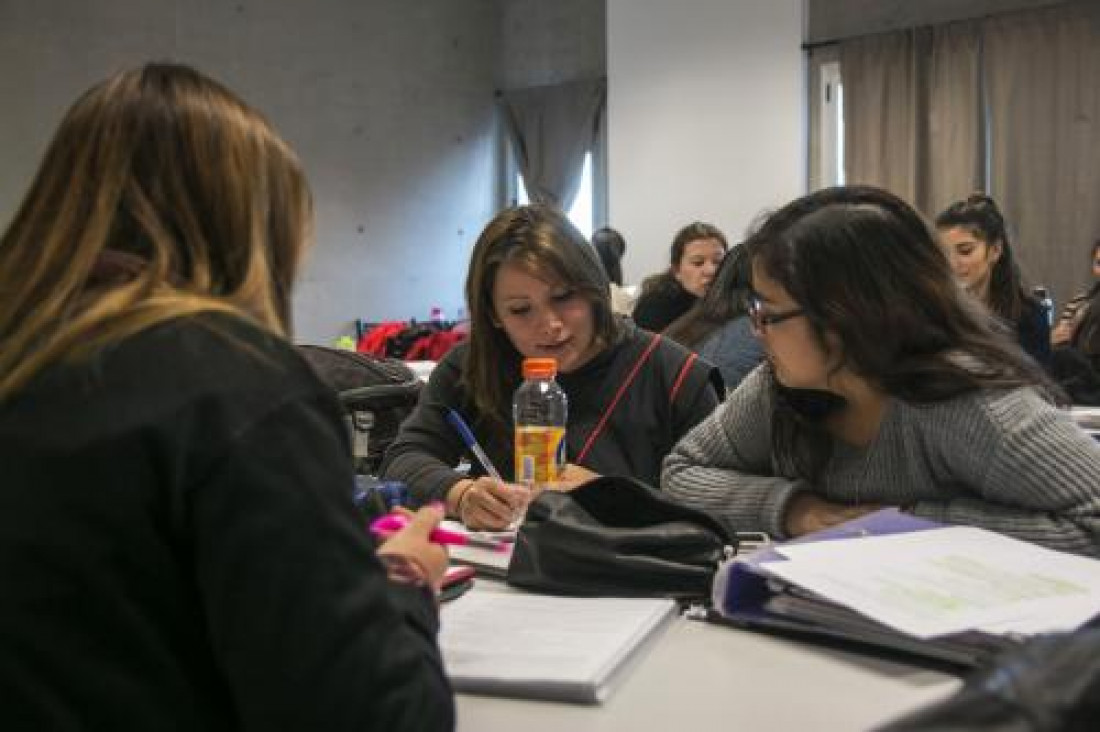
1046	303
540	410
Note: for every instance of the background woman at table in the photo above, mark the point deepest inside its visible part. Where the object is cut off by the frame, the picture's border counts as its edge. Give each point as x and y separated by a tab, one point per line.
697	250
536	290
1073	312
885	386
974	236
177	536
718	326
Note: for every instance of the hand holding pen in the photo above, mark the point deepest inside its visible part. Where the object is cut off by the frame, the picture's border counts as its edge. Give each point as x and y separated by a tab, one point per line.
486	502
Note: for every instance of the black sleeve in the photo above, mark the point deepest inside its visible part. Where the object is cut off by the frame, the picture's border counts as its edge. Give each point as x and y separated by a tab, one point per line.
651	312
426	450
307	629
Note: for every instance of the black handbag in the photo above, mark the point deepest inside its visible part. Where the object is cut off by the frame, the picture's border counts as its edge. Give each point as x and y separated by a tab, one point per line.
617	537
1049	684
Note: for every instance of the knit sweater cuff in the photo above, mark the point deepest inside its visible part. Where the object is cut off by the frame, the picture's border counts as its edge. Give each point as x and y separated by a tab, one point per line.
774	510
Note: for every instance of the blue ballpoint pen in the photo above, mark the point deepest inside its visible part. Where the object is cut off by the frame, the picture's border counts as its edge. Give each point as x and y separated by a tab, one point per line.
467	436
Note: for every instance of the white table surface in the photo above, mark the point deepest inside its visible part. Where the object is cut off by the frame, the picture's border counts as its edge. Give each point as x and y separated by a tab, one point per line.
712	677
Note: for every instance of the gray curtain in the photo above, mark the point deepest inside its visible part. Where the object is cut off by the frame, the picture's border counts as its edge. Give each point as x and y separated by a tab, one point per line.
912	113
1043	78
551	128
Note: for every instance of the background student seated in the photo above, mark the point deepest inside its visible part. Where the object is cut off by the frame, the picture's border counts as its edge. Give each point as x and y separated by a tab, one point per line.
885	386
975	238
697	250
610	246
718	327
536	290
1074	310
177	538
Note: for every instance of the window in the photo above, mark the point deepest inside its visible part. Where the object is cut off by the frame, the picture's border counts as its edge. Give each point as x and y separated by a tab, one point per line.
831	148
581	212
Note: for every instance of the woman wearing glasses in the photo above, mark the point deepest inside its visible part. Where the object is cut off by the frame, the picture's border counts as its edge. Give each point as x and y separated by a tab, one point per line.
884	386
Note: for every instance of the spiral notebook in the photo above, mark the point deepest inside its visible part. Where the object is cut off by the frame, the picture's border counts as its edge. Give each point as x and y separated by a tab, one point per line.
571	649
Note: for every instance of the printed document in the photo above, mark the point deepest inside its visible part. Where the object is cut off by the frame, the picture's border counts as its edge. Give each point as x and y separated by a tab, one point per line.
949	580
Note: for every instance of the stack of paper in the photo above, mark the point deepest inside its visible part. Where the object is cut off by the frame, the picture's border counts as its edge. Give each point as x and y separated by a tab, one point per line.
950	580
543	647
487	562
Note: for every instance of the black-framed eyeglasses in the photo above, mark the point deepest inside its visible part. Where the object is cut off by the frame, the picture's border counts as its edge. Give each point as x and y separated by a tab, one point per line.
761	319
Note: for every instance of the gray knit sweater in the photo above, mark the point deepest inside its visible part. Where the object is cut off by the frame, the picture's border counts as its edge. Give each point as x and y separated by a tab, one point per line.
1002	459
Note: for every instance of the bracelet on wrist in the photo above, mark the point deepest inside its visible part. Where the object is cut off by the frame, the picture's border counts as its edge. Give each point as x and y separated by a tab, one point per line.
462	502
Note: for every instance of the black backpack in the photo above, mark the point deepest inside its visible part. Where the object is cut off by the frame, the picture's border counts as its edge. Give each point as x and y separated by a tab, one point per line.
377	395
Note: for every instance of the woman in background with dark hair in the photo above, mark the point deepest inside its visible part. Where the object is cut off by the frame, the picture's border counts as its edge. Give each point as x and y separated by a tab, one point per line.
178	541
1074	310
886	386
610	247
975	238
718	327
535	290
697	250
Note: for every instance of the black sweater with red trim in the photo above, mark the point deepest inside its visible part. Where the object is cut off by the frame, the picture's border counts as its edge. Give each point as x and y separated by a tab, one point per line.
645	425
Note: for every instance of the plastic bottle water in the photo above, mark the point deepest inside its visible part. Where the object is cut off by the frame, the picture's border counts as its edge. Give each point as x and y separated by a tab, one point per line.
1046	303
540	410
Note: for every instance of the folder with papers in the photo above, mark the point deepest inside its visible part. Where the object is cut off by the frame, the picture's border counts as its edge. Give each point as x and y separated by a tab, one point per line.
893	582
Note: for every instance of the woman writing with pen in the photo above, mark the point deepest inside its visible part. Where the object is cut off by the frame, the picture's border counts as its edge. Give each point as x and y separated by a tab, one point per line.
535	289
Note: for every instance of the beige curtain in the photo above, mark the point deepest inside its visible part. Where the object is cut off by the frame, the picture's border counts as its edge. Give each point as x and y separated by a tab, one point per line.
551	128
1043	78
912	112
882	111
955	152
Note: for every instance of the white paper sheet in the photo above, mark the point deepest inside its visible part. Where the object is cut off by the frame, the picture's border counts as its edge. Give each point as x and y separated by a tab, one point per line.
540	646
491	563
941	581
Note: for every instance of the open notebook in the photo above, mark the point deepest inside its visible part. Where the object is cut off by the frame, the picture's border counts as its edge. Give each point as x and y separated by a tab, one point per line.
542	647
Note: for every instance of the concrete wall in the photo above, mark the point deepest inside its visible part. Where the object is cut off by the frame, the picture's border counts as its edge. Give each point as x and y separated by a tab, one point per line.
550	42
388	102
830	20
706	117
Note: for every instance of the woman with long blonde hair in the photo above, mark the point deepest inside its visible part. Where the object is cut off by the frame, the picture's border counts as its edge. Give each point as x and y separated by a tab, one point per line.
177	536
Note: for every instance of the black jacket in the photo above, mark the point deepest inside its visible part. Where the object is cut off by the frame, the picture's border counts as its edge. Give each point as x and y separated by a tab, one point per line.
652	416
179	550
660	305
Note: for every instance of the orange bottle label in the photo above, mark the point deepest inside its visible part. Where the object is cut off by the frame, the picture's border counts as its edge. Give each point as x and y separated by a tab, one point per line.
540	454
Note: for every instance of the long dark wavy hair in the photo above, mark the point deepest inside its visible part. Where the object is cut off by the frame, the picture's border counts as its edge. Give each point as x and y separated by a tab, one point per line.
979	215
724	301
866	268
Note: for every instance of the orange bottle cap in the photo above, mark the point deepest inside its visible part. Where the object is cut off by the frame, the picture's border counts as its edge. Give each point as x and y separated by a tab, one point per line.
539	368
